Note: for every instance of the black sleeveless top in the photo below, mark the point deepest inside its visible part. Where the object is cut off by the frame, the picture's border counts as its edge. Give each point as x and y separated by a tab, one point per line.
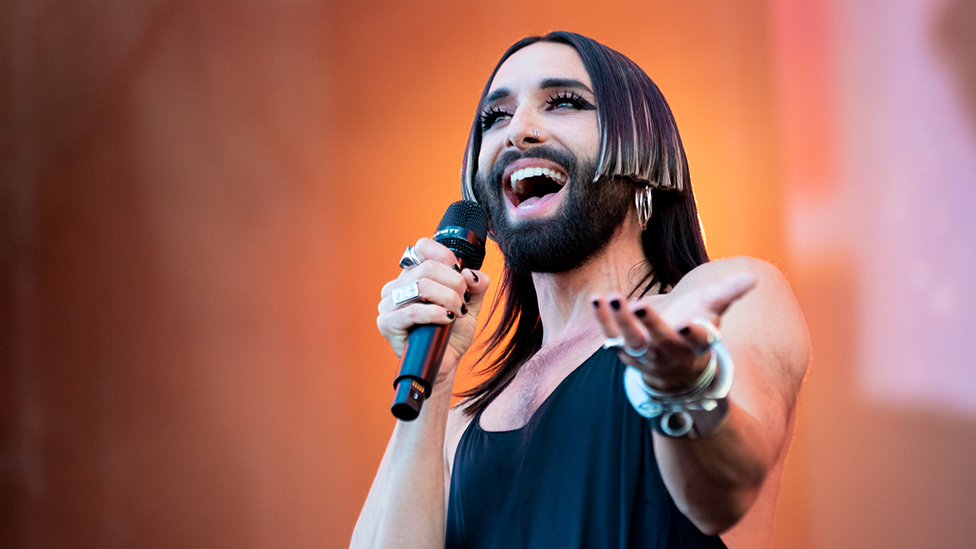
580	474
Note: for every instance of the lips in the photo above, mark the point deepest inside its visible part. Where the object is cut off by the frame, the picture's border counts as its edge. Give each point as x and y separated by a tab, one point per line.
531	181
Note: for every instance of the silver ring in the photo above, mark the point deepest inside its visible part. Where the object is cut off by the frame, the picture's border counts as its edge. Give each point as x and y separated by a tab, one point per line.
409	258
535	133
642	358
614	343
713	333
406	294
637	353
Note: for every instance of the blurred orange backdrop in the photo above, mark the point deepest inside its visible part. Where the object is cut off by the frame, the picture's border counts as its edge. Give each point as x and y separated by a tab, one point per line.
202	200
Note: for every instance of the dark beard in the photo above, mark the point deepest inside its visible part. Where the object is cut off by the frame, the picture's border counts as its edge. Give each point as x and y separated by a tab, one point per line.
583	225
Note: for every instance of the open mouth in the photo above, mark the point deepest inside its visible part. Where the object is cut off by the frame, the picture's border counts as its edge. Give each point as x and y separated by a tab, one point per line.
529	186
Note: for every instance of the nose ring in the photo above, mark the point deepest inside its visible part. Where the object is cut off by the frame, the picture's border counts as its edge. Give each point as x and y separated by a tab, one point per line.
535	134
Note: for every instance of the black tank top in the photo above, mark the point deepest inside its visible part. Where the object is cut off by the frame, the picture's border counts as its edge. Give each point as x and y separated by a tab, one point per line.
580	474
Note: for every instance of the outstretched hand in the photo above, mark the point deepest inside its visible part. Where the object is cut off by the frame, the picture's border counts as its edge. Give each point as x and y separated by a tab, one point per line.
667	346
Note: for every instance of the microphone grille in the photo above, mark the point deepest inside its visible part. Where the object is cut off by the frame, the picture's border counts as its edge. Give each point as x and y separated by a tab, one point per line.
468	214
472	216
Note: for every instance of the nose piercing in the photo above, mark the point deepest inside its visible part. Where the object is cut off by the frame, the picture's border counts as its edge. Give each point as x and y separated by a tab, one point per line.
535	134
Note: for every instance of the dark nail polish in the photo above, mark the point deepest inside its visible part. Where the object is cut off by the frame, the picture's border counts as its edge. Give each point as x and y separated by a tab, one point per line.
475	277
467	296
596	303
464	310
450	315
456	267
615	304
641	313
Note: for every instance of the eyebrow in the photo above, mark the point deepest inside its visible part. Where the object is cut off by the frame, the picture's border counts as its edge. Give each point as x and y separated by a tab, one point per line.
547	83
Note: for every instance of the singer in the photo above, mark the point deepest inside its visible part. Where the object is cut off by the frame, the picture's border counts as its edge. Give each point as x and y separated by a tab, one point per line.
639	394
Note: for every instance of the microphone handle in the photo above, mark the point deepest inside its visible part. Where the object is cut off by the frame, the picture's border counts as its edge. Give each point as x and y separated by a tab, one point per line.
418	369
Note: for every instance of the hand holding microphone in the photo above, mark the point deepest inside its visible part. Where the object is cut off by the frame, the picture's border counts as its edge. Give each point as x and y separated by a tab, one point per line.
412	313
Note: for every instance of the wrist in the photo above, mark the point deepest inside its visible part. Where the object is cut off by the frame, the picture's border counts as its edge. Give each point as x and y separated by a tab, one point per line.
694	411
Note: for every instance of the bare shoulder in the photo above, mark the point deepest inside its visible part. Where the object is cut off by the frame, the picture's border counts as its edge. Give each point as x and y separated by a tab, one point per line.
712	272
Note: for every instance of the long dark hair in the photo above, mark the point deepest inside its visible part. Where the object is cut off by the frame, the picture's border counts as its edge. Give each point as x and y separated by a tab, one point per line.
639	142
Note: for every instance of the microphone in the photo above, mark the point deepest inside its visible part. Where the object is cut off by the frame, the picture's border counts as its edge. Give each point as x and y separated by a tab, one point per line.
462	230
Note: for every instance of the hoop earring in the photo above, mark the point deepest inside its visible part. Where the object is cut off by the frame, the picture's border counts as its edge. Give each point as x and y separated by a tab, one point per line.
645	207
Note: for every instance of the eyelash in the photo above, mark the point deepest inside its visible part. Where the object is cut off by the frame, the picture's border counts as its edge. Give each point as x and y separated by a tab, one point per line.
491	115
574	99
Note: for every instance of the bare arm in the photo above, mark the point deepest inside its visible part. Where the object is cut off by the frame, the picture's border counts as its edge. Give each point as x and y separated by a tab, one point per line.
406	505
715	480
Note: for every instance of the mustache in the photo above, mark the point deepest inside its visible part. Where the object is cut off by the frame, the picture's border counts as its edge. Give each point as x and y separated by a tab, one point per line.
564	158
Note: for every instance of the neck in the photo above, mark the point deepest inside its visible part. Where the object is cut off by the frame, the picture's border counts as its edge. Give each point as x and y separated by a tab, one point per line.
565	299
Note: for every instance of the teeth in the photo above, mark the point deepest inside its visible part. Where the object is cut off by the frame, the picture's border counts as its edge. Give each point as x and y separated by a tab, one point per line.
519	175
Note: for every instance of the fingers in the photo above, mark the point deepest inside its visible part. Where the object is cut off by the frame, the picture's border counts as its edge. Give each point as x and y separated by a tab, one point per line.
426	249
709	303
438	284
445	293
401	320
656	327
667	358
619	318
395	325
674	343
602	309
719	296
477	285
696	336
637	321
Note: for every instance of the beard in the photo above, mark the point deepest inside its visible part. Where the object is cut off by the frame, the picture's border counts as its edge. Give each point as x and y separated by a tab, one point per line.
583	224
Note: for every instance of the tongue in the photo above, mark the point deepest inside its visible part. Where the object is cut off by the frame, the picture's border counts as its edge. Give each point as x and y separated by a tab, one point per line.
533	201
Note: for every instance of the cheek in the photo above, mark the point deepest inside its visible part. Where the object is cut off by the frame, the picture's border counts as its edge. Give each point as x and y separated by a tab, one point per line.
487	155
587	150
591	137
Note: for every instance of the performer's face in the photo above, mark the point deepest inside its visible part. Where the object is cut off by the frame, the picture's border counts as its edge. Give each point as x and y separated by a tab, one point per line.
541	88
537	160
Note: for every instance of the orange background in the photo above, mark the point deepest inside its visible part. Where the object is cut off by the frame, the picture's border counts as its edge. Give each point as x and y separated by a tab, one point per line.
201	201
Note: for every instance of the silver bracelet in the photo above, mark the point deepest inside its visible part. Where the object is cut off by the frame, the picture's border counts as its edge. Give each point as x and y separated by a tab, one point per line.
693	412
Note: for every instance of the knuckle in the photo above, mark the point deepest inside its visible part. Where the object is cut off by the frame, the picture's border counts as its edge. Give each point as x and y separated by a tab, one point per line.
428	268
410	314
433	250
427	289
414	314
428	247
383	324
459	286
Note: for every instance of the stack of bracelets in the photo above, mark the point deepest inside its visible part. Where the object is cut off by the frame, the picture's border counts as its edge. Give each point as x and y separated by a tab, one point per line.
693	412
